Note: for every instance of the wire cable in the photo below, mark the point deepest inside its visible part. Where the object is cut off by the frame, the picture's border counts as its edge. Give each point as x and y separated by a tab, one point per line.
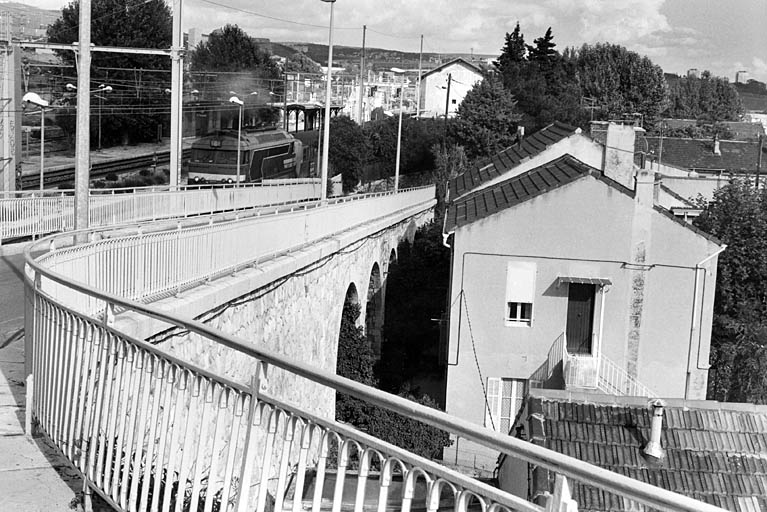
476	360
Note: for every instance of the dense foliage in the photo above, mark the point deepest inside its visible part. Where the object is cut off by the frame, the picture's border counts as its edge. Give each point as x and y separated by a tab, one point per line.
621	81
487	119
709	98
552	86
450	161
738	216
231	49
416	298
138	103
356	361
348	151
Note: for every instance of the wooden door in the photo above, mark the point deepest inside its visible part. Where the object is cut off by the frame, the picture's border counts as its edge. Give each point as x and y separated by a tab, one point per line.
580	318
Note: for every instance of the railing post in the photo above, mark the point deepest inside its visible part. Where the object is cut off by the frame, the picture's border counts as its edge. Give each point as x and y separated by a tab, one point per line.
258	384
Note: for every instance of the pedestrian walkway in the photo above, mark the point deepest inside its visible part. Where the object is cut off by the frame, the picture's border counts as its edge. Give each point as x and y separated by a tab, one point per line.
33	476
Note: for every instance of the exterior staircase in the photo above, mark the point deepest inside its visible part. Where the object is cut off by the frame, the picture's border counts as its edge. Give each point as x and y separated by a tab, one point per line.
589	372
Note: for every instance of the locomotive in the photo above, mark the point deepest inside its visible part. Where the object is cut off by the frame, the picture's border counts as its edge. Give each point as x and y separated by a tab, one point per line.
265	154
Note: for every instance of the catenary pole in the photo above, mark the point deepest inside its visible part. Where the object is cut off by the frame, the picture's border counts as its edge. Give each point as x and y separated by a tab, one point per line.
360	108
176	66
326	128
418	88
82	132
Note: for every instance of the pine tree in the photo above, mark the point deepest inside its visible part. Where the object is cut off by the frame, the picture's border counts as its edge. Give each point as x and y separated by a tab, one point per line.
544	48
513	52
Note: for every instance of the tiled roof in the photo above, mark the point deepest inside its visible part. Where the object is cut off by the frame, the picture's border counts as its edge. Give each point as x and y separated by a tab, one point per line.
736	157
515	190
715	452
754	102
511	157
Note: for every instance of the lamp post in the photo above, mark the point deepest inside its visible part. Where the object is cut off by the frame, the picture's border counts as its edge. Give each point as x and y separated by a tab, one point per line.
35	99
239	102
326	131
399	128
101	88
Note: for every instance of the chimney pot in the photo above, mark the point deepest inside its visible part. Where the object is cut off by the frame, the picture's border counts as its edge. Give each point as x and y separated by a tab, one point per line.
717	151
654	448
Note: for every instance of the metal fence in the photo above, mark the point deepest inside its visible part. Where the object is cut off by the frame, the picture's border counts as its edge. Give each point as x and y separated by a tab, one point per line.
35	213
149	431
150	262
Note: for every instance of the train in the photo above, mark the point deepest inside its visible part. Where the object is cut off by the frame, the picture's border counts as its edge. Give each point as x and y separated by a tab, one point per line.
265	154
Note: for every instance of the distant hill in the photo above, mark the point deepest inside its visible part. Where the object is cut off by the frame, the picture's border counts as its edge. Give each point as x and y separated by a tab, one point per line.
28	22
378	58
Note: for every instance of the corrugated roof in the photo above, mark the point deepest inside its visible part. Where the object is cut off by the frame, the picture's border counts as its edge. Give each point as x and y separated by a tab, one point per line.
513	191
715	453
511	157
736	156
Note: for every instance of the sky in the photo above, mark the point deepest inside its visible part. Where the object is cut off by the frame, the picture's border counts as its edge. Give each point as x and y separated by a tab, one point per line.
721	36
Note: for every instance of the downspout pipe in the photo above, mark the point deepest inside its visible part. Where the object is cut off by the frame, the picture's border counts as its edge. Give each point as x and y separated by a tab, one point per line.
694	321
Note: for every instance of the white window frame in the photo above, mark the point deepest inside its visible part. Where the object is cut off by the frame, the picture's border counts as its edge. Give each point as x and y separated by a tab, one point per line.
520	289
494	407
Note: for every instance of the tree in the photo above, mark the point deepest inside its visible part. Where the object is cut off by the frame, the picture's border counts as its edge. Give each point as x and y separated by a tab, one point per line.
621	81
300	63
231	49
355	361
450	161
418	135
138	81
487	119
544	48
348	150
542	81
708	98
738	216
512	55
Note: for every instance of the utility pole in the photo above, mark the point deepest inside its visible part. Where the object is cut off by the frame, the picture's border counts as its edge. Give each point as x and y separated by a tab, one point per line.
447	106
285	101
82	133
418	88
759	160
360	109
176	67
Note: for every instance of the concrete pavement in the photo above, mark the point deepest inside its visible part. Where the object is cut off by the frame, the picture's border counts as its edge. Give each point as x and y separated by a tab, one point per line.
33	475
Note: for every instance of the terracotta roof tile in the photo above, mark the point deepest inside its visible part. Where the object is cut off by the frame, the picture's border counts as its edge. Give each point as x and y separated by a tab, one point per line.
698	154
717	456
513	191
500	163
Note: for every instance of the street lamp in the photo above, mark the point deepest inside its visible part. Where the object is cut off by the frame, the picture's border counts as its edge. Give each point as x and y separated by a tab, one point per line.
101	88
326	131
399	128
239	102
35	99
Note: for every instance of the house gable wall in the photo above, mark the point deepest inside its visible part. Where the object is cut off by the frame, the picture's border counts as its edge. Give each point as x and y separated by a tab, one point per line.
581	229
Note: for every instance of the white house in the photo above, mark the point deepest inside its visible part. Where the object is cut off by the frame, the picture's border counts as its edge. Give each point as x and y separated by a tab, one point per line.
434	87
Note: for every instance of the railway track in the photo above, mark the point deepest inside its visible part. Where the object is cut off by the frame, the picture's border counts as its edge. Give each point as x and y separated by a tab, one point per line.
124	165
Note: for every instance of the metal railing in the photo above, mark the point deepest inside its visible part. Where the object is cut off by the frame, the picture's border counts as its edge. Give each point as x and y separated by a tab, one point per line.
587	371
149	431
614	380
149	262
35	213
556	357
600	373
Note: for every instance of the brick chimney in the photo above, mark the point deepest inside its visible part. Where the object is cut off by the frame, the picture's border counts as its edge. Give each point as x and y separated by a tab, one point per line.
619	153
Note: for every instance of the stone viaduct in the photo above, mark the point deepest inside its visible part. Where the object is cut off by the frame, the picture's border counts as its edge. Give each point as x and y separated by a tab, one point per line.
292	302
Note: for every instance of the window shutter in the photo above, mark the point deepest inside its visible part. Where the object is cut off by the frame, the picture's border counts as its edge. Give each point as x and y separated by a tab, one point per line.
493	406
520	281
